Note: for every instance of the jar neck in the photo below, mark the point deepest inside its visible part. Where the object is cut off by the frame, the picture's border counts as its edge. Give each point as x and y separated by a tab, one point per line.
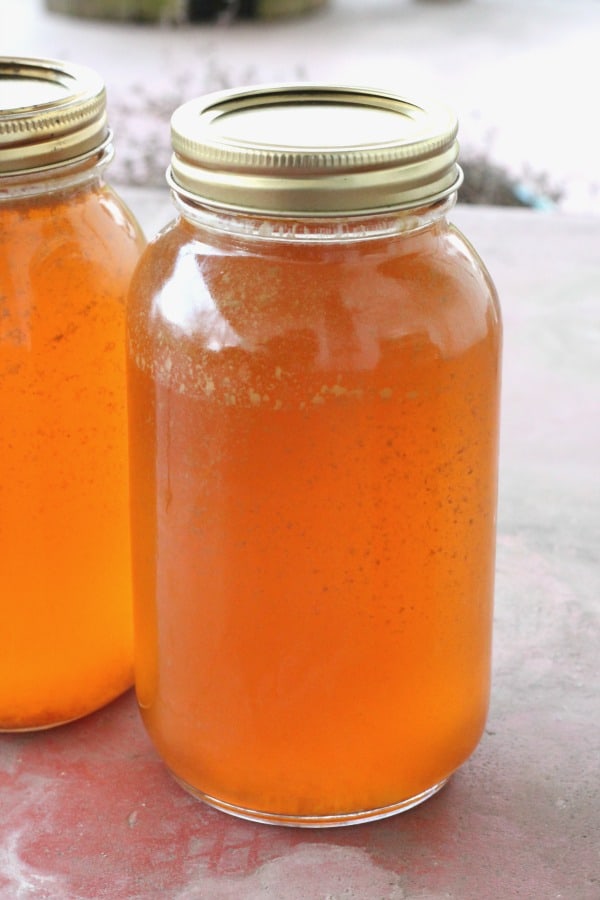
58	178
312	229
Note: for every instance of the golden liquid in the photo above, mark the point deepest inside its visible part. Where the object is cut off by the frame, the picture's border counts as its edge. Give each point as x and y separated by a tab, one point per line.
314	441
65	595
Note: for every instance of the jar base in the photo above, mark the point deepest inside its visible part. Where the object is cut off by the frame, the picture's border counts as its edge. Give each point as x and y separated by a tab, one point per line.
335	820
26	729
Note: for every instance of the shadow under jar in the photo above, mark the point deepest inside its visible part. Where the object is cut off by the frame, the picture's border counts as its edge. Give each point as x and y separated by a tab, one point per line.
314	356
68	246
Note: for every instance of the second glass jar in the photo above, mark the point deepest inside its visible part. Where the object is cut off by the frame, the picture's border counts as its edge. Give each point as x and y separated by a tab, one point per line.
68	246
314	379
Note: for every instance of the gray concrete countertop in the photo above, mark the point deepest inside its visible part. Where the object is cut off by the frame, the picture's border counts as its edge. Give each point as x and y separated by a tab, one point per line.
88	810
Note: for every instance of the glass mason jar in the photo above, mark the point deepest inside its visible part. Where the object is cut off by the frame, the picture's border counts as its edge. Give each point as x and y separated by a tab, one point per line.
68	246
314	356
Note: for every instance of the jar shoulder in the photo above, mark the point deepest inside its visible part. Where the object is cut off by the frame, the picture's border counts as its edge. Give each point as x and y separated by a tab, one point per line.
90	212
122	215
432	282
63	256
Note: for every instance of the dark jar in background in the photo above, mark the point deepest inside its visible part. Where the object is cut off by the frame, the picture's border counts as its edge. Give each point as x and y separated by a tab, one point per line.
183	10
314	362
68	246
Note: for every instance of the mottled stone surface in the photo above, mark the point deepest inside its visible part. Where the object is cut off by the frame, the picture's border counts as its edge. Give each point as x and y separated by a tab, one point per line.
88	811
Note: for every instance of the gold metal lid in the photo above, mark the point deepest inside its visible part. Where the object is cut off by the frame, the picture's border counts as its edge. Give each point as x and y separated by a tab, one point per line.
309	149
51	112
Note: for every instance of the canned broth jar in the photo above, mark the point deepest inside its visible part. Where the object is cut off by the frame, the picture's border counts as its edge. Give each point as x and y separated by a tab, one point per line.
68	246
314	355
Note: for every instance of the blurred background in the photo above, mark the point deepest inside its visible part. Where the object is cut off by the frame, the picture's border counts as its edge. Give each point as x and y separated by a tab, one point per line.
523	75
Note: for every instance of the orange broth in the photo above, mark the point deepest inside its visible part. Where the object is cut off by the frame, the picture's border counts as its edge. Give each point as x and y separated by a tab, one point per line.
314	441
66	643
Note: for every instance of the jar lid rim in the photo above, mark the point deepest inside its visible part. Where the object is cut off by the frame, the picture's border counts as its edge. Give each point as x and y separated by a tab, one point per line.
52	112
304	148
